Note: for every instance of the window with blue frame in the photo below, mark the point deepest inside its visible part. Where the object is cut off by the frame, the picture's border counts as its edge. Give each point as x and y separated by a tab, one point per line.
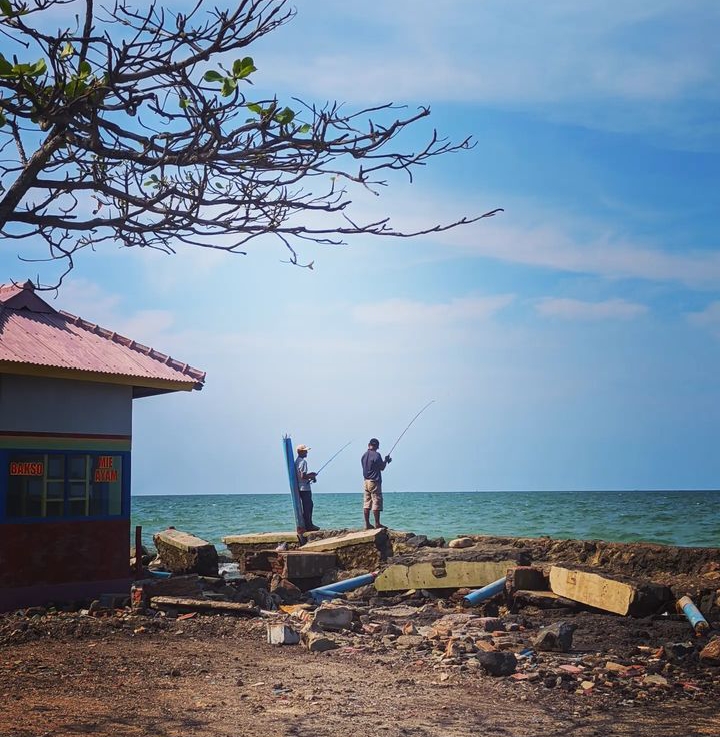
63	484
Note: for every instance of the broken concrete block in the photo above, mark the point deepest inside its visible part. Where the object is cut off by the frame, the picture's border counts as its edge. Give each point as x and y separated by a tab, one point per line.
615	594
240	545
279	633
182	552
315	641
433	568
555	638
363	549
331	617
497	663
290	564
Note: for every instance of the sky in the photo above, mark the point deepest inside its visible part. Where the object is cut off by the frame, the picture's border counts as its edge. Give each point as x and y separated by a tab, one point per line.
571	342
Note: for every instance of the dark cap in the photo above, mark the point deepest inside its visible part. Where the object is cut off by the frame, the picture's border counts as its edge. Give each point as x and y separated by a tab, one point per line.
375	442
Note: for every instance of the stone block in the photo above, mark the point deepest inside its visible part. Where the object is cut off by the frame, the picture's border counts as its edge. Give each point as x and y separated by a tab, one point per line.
182	552
616	594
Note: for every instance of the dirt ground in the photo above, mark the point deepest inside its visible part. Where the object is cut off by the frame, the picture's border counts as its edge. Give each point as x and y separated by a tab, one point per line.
217	677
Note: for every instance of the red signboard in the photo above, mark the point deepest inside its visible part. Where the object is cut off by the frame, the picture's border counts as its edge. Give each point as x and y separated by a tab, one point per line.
27	468
105	472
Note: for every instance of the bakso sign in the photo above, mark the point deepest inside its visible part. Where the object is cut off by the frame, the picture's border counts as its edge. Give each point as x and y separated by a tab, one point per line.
27	468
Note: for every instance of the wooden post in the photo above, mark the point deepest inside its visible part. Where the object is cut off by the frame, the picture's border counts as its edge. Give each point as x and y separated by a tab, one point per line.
138	552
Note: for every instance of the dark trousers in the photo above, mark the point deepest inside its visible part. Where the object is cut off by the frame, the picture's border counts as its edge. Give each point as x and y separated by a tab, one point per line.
307	507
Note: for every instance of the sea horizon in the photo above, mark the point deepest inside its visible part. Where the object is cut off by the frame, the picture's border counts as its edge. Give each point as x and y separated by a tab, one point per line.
672	517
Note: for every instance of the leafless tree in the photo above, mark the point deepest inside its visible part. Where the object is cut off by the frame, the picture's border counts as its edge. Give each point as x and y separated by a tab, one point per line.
139	127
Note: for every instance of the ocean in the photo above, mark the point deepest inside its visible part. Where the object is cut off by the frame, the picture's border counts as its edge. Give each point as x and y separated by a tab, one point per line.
688	518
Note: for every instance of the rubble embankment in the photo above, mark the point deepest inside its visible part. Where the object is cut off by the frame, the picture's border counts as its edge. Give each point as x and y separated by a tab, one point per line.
573	620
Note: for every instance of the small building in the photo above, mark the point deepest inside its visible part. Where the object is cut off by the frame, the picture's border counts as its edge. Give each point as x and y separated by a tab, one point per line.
66	392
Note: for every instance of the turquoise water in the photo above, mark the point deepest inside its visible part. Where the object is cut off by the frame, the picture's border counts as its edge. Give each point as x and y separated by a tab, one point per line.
670	517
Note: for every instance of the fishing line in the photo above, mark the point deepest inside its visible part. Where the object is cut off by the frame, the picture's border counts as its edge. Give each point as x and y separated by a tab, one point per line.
409	424
332	457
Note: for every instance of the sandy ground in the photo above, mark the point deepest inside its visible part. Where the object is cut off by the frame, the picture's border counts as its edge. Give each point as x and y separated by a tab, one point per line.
217	677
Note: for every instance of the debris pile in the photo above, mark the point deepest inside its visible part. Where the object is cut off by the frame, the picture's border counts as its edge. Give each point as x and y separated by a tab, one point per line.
540	614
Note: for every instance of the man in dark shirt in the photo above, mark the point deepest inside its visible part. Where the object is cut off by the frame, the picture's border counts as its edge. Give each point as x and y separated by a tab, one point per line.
373	465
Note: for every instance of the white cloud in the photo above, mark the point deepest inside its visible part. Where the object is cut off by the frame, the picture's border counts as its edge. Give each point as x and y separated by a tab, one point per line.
575	309
412	312
589	63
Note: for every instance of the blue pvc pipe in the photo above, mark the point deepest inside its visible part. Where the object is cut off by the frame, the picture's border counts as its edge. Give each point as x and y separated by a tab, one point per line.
486	592
160	574
694	615
340	587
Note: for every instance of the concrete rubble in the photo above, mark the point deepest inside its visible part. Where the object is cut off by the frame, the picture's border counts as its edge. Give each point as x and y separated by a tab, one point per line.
567	618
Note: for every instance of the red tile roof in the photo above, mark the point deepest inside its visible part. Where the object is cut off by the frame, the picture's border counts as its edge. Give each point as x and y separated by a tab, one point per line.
33	333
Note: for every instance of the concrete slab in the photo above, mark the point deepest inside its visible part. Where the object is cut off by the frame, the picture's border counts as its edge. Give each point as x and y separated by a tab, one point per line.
619	595
290	564
452	574
266	539
182	552
361	549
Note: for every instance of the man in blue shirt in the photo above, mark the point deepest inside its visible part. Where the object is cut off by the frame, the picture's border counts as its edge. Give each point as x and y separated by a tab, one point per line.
373	464
305	478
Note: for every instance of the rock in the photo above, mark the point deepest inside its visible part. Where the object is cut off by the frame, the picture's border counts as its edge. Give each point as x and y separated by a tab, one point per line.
489	624
677	652
331	617
556	638
710	654
655	679
182	552
410	640
497	663
461	542
614	667
315	641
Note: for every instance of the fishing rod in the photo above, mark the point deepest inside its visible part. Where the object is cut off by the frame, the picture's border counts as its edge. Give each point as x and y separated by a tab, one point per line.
332	457
409	424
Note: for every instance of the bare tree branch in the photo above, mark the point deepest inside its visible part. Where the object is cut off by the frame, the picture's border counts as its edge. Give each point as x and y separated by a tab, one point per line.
139	135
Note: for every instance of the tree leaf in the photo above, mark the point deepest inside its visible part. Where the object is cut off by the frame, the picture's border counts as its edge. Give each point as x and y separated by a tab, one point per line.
38	68
253	107
184	103
5	7
67	50
228	86
305	128
213	76
84	69
243	67
6	68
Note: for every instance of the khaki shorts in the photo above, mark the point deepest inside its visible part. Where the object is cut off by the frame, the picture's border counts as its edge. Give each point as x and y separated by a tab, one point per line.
372	498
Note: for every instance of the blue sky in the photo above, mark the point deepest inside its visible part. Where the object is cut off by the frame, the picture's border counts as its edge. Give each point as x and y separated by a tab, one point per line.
572	342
